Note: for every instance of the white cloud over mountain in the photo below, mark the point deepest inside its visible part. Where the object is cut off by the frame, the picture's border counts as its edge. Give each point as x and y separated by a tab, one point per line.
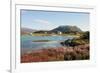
41	21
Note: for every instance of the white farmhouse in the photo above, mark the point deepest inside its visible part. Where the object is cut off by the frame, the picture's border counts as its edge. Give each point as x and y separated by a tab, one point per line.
59	32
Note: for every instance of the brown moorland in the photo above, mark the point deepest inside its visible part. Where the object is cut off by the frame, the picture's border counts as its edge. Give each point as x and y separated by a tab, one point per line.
80	52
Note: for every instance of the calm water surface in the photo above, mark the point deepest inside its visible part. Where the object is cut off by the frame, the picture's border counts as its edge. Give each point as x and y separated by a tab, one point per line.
27	43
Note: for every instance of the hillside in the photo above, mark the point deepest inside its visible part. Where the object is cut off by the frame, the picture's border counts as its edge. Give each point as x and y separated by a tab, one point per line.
67	29
26	30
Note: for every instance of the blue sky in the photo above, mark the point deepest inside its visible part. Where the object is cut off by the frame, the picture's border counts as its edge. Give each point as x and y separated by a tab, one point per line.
46	20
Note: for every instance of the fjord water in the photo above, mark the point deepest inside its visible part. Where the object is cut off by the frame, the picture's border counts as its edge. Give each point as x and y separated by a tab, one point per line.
28	44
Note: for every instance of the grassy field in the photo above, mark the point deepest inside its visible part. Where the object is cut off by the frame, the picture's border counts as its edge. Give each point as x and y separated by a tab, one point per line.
42	34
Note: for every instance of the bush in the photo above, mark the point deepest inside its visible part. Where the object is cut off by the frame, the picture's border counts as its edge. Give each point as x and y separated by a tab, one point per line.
83	39
77	53
85	35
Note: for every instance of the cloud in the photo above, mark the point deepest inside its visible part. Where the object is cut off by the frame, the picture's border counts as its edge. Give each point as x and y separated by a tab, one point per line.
41	21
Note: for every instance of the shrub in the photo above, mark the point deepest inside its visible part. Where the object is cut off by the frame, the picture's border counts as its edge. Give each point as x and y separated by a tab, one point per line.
85	35
83	39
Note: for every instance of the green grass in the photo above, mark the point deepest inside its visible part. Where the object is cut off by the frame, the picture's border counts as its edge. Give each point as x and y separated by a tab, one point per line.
41	34
38	34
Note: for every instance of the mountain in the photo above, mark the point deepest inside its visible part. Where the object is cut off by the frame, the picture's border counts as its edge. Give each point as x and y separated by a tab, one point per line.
26	30
67	29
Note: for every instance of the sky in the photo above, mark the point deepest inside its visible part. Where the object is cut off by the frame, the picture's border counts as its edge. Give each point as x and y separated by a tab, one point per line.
48	20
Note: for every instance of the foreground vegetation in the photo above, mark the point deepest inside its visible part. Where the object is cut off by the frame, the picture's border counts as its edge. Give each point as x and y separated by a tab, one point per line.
57	54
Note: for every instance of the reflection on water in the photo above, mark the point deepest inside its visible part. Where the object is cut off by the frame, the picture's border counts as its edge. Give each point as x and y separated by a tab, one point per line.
27	43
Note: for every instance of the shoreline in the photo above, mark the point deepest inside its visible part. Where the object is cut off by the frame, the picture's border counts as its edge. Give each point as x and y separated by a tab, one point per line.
51	35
